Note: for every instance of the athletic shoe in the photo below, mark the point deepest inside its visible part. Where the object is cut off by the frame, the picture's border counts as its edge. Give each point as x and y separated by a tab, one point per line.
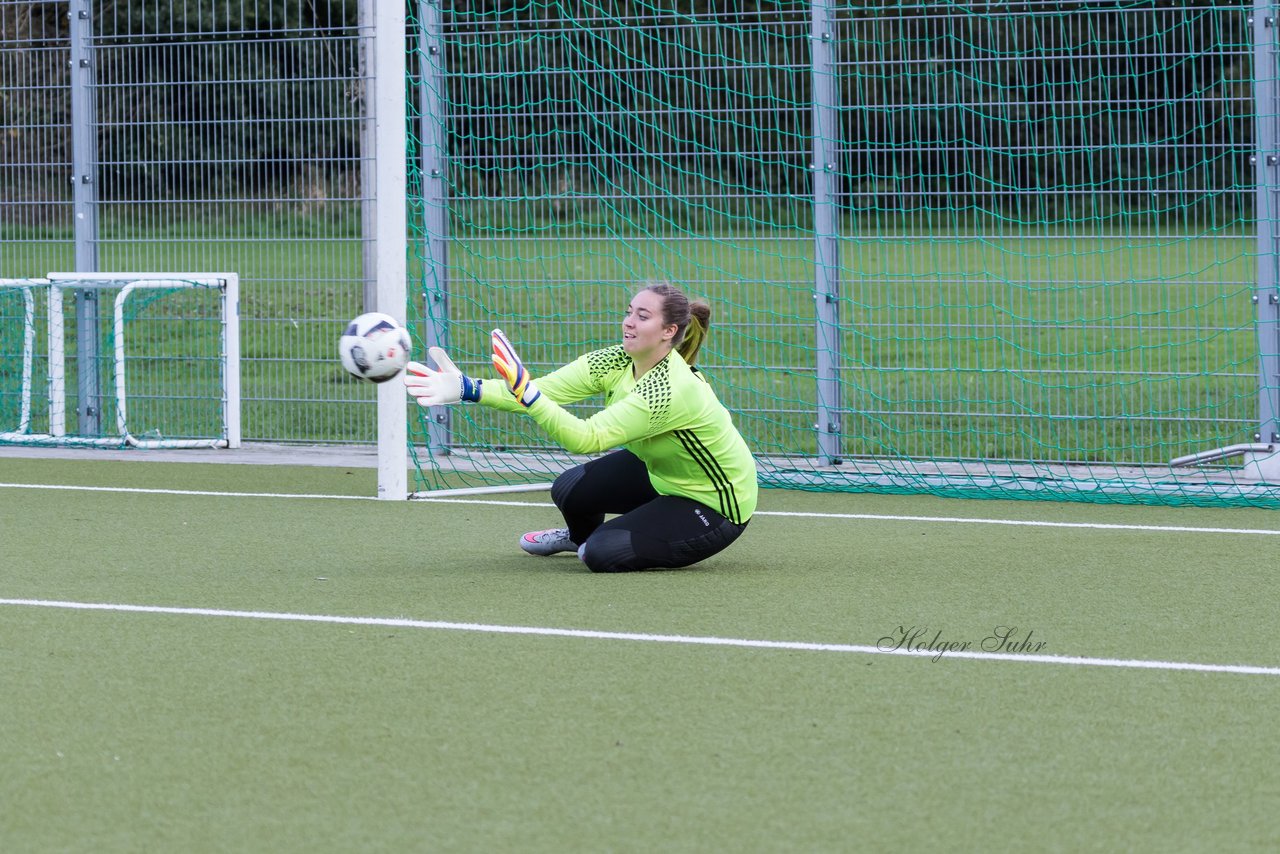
548	542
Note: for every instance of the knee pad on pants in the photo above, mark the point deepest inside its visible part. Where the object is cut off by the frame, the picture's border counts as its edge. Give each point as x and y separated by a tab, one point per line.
565	483
608	550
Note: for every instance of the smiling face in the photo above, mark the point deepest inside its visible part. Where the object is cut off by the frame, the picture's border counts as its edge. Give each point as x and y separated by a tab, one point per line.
644	336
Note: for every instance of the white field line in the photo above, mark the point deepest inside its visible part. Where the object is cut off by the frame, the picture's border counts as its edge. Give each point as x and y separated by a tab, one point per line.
685	640
1095	526
143	491
872	517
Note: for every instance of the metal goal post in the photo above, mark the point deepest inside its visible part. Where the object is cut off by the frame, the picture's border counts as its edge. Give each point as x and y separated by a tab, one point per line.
127	287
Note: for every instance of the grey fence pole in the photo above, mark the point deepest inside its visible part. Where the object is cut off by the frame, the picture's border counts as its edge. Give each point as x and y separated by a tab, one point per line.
85	207
368	160
1267	166
826	225
435	212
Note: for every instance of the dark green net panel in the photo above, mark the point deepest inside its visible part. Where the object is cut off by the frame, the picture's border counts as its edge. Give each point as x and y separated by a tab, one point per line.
963	249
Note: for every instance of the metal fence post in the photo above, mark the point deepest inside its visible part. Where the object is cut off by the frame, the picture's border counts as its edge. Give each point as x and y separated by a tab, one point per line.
435	182
85	204
826	226
1267	168
368	158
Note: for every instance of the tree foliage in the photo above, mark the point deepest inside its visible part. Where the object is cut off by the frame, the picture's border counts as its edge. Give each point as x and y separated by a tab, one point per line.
1144	105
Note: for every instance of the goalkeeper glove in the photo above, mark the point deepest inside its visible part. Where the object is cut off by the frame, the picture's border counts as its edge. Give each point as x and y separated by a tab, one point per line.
512	369
439	387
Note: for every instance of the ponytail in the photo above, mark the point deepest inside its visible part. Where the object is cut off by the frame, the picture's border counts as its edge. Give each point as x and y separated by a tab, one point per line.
692	319
695	333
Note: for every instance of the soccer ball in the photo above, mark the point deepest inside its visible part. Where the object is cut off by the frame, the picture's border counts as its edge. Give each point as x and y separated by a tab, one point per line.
374	347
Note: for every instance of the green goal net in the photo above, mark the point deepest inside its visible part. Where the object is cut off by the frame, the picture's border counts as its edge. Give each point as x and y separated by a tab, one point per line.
1002	250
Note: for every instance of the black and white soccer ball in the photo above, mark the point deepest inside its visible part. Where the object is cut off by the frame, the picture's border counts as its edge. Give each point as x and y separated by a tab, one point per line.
374	347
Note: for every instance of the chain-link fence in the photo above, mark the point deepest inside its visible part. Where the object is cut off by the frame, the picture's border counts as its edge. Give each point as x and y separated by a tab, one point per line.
146	135
961	231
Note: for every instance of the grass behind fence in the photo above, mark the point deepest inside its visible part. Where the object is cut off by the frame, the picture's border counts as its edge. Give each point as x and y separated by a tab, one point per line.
1091	346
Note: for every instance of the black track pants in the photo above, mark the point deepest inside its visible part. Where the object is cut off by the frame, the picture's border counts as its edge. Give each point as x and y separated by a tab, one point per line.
653	531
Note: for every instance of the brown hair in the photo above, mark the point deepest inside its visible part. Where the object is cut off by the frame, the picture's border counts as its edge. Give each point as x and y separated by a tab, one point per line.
692	318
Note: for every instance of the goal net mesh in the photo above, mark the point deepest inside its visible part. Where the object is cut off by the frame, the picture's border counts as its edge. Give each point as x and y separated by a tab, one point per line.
1002	250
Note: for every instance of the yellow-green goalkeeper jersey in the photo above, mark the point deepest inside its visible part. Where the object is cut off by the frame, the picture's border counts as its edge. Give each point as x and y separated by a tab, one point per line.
671	419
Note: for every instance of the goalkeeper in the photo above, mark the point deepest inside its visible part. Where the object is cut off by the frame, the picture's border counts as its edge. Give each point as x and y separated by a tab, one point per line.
682	482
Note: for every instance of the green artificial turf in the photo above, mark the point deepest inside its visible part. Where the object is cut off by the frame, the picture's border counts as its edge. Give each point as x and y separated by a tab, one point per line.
129	731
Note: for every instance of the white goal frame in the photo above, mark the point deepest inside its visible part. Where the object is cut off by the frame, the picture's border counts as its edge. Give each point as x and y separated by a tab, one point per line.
228	287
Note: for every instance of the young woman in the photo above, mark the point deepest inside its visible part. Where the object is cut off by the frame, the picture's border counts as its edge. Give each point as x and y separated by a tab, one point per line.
683	482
